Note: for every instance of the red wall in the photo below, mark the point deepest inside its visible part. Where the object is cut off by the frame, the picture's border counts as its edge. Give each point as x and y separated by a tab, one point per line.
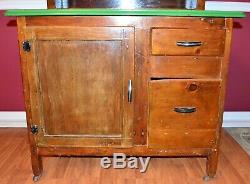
238	92
11	98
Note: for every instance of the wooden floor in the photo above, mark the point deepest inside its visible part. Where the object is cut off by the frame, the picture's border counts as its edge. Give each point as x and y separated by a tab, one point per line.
15	168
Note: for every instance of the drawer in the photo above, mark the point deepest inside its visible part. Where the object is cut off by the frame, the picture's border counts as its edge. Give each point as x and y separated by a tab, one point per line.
183	112
184	67
187	42
184	104
174	139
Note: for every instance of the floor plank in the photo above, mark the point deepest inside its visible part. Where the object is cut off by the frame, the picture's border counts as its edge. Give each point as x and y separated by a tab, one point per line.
15	168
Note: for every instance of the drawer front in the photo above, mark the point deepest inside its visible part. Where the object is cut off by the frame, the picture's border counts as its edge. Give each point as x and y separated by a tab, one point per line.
185	106
184	67
187	42
174	139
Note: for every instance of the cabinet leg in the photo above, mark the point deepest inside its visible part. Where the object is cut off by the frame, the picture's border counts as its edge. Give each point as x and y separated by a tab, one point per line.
37	165
211	165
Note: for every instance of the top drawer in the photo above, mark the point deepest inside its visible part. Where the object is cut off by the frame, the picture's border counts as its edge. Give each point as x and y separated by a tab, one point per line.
187	42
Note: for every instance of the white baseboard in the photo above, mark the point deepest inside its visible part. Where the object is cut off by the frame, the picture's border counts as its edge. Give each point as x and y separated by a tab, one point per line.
231	119
236	119
13	119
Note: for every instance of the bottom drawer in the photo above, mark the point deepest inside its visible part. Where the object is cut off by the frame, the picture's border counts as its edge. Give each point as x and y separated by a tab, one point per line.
174	139
183	113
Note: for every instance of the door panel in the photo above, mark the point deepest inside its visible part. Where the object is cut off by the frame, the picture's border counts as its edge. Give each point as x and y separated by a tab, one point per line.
82	92
82	83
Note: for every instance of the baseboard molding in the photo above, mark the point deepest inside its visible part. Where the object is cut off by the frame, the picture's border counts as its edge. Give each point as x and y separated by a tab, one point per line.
236	119
13	119
231	119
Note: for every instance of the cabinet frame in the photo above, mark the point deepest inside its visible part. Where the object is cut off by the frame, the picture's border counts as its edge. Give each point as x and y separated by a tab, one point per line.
142	27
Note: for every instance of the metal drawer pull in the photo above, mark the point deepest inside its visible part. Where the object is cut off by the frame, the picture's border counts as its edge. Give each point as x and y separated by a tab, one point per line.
185	109
188	44
130	91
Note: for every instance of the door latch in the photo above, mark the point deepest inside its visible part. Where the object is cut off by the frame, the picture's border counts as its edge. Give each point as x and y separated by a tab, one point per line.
34	129
26	46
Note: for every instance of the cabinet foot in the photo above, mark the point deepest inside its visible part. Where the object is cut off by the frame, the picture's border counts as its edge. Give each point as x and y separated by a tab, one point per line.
207	178
211	166
37	165
36	178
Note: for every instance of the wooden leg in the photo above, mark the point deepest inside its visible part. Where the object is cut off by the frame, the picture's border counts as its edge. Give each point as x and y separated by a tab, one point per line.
211	167
37	165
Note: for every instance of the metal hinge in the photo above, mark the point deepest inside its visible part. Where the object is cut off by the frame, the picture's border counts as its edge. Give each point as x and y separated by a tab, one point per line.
34	129
26	46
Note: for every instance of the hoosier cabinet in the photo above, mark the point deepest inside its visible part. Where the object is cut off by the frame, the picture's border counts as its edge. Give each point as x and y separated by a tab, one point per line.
144	82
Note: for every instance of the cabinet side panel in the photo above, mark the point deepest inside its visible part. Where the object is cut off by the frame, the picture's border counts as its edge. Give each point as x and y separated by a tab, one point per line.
35	158
224	72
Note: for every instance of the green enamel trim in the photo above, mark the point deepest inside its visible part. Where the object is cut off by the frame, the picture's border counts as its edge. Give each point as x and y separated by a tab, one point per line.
125	12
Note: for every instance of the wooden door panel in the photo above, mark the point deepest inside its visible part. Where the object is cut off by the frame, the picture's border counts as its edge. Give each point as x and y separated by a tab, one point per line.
82	92
80	85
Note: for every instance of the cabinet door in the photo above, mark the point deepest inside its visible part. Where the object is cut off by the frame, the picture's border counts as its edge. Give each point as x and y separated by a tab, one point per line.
79	80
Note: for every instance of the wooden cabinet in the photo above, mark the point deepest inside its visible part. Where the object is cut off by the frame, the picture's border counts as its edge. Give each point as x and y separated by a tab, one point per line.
143	86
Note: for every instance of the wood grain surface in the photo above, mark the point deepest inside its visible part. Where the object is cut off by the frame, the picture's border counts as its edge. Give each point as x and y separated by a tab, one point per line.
184	67
164	42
